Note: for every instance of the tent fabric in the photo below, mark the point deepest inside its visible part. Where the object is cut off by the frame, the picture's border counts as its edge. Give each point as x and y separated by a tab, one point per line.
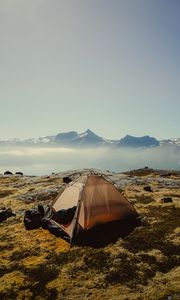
98	202
102	203
67	199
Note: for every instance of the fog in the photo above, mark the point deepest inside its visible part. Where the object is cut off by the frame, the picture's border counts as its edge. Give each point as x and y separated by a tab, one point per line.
44	161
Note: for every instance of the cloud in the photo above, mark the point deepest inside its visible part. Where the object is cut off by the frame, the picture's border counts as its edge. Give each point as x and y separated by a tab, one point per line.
39	161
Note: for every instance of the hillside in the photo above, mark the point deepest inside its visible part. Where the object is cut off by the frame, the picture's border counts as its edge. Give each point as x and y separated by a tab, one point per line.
145	265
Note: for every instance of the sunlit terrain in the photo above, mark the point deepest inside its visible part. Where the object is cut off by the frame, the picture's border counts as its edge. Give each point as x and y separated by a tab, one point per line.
145	265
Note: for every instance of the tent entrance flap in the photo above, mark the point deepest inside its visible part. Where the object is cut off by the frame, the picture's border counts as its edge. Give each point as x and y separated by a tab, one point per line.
69	197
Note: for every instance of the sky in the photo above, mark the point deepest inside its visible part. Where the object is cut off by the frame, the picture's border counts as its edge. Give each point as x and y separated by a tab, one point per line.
109	65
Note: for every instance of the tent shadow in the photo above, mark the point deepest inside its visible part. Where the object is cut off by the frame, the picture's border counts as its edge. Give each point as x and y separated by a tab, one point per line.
104	234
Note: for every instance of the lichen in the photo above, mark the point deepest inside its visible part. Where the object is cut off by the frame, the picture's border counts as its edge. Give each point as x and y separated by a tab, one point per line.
37	265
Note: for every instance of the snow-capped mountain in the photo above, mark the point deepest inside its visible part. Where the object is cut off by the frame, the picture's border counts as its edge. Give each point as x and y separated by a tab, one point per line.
68	139
72	138
90	139
136	142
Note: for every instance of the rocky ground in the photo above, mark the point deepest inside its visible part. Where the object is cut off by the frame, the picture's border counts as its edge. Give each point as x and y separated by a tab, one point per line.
145	265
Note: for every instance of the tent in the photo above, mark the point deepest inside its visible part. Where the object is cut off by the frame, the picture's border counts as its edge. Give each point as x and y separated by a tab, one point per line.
102	212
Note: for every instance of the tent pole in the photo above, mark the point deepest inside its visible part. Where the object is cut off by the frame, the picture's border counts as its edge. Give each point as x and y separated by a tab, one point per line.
77	215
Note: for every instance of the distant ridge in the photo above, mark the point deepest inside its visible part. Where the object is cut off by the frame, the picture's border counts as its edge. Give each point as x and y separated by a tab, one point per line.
86	138
136	142
90	139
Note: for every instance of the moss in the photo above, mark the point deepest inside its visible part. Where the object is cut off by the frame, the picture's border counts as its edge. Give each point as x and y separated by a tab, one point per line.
11	283
97	259
5	193
123	270
154	235
141	266
40	275
144	199
19	254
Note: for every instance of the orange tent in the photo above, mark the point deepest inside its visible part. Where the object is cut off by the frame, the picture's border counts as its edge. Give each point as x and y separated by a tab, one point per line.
102	213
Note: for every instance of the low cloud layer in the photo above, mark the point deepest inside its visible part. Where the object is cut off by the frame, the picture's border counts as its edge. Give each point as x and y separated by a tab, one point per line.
41	161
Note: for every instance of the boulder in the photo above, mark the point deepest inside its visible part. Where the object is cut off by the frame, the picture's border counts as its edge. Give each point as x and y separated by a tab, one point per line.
147	188
19	173
166	200
8	173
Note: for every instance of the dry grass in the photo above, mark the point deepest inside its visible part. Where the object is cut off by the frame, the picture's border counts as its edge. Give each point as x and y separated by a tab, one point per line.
145	265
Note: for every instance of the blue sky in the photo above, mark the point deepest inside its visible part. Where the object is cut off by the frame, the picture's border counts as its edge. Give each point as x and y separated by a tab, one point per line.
111	66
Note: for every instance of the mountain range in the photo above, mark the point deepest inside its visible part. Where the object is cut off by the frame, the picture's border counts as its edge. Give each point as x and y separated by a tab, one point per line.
89	139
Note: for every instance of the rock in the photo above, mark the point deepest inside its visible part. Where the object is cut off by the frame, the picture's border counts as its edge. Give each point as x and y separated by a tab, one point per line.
40	195
166	174
19	173
8	173
166	200
67	179
5	213
147	188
